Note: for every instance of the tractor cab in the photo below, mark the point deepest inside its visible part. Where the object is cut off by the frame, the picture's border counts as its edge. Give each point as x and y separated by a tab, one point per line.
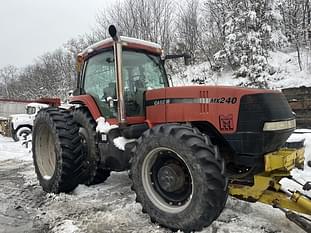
110	71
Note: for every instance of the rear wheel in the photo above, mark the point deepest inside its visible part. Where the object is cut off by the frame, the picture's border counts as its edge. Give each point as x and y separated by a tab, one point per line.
56	150
92	173
178	177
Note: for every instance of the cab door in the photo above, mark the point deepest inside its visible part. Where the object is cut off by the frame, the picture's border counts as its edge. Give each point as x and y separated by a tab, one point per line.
99	82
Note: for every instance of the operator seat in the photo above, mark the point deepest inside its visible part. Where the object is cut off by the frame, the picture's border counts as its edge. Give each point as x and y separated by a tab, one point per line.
109	91
139	95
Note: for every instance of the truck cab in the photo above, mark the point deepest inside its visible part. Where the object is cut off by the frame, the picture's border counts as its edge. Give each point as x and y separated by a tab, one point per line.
21	124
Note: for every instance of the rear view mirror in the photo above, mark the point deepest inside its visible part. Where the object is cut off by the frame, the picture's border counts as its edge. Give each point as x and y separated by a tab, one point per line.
187	59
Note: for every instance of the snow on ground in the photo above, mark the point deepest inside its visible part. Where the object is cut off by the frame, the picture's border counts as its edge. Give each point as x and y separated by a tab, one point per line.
287	70
66	227
301	175
12	150
287	73
111	206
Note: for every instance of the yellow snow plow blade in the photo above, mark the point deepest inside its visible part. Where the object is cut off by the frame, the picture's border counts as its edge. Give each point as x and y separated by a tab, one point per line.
266	187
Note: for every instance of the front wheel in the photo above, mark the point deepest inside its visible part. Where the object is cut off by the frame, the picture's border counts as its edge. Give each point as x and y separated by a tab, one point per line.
178	177
21	133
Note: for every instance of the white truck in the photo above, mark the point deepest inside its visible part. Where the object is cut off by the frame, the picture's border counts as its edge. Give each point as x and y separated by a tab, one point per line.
21	124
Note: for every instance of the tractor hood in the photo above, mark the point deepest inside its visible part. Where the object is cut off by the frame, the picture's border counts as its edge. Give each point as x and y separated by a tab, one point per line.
261	119
199	103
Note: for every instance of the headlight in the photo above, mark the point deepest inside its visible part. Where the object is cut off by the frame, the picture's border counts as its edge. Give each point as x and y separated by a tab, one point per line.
279	125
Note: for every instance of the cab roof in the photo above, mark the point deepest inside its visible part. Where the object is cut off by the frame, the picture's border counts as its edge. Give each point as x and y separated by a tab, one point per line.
127	42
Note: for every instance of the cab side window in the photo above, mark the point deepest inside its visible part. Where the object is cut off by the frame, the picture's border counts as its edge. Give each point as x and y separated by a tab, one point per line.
99	81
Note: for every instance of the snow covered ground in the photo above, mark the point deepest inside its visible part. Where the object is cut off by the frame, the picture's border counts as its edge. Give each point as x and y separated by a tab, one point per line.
287	73
110	207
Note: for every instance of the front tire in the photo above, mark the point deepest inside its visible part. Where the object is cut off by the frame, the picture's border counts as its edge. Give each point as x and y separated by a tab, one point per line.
178	177
20	133
56	150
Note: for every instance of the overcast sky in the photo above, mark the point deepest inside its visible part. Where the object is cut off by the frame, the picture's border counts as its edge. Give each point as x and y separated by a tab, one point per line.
29	28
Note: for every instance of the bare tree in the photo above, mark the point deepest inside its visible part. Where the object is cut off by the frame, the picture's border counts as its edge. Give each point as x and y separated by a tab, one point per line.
188	26
7	75
296	18
52	74
212	26
143	19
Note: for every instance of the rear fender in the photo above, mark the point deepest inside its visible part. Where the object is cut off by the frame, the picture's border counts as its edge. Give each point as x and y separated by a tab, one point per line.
87	101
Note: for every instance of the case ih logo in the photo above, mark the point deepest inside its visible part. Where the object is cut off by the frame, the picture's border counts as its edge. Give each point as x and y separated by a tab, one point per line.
226	122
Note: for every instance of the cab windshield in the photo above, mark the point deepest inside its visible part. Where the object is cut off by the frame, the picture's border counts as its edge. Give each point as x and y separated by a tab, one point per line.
140	71
143	70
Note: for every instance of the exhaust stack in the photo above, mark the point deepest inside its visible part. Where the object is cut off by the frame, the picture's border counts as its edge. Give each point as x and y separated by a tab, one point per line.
117	46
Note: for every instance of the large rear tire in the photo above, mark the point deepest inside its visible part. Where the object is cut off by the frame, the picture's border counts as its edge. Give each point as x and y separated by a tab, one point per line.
56	150
178	177
92	173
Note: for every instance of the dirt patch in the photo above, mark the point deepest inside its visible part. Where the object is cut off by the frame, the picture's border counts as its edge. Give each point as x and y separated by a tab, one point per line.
18	202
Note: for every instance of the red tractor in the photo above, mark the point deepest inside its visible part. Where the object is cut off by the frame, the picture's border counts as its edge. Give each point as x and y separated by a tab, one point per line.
186	147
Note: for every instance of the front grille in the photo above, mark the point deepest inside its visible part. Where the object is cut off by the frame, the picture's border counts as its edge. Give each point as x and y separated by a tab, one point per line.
257	109
250	140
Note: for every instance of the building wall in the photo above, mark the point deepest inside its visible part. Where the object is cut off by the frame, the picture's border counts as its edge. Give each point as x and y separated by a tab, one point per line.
8	108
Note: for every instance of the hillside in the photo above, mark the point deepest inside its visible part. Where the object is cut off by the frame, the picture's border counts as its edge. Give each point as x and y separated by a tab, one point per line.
284	66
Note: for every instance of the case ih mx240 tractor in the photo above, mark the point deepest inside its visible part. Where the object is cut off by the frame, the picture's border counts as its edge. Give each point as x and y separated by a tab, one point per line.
186	148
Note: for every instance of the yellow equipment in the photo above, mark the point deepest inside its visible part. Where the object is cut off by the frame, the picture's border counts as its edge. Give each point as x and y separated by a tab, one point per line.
267	189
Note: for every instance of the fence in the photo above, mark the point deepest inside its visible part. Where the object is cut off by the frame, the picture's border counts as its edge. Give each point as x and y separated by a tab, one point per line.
299	99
